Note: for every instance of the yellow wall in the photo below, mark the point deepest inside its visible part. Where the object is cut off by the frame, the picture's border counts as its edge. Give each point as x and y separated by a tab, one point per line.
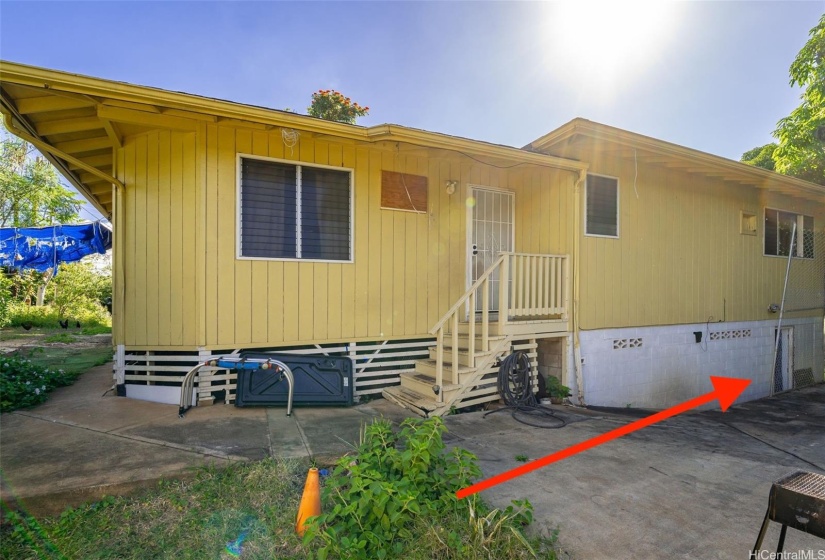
408	269
158	232
680	257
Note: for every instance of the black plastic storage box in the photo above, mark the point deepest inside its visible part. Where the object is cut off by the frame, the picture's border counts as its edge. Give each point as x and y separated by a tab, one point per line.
319	380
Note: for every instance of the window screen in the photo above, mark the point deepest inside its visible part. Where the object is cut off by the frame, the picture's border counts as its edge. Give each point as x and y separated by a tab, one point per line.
779	239
295	212
602	206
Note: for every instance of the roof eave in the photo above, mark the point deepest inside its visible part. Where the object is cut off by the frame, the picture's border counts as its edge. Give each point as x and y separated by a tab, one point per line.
596	130
95	87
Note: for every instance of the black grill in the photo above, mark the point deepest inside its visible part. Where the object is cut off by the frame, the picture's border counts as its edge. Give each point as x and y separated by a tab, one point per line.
798	501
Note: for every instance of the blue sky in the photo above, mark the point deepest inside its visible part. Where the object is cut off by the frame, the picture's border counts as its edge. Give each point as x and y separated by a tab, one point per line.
708	75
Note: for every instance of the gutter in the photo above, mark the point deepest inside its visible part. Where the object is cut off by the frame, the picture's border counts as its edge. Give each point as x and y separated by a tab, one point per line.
157	98
426	139
577	355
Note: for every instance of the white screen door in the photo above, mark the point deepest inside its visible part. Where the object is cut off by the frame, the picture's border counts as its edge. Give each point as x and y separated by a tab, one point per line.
491	230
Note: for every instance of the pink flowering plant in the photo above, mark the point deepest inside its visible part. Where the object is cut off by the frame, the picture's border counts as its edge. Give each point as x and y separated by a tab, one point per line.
332	105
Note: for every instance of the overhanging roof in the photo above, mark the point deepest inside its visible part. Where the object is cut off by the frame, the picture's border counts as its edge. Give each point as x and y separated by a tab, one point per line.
579	136
78	121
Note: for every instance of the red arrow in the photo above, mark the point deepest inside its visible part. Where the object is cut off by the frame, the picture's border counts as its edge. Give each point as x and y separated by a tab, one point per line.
725	390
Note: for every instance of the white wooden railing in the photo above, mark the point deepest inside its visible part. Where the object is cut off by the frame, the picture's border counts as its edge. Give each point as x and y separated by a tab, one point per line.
529	286
538	285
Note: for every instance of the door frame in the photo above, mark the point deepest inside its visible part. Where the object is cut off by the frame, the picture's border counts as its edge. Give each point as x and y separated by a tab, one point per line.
469	229
787	374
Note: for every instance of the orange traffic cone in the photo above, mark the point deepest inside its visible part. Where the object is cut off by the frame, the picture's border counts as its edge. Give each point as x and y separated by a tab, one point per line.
310	501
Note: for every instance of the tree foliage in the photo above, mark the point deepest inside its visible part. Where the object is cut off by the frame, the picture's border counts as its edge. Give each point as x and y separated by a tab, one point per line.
80	287
332	105
801	150
801	135
761	156
30	190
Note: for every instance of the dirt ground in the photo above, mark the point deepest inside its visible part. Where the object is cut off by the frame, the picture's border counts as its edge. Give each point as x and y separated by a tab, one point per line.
12	340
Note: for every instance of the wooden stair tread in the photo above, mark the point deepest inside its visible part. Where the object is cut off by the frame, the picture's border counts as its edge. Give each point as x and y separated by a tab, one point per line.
409	398
424	378
461	368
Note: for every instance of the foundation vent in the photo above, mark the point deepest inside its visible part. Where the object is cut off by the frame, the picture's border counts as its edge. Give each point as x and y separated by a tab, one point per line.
624	343
724	335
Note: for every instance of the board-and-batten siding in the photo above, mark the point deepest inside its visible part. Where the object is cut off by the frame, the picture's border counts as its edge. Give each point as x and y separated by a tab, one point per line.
408	270
159	239
680	257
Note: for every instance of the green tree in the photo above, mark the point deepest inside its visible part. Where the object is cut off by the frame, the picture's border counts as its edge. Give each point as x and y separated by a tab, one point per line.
801	148
332	105
31	195
761	156
30	190
5	299
79	289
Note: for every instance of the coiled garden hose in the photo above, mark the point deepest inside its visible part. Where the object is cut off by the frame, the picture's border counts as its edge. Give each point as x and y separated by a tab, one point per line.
516	390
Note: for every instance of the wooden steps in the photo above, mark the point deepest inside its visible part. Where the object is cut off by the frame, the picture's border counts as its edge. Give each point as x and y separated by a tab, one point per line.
420	393
410	399
533	293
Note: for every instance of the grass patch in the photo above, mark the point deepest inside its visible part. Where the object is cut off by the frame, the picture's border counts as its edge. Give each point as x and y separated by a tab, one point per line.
96	329
253	506
73	361
59	337
178	519
7	334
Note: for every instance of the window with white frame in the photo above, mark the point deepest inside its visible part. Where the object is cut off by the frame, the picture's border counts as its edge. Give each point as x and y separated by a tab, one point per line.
602	206
779	234
290	211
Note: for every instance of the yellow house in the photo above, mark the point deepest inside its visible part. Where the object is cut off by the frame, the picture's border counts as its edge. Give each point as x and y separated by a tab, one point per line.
425	257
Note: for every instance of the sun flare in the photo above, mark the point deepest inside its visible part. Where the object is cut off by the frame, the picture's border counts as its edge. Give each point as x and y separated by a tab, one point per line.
601	43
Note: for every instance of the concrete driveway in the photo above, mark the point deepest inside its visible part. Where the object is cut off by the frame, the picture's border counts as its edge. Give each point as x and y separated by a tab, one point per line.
695	486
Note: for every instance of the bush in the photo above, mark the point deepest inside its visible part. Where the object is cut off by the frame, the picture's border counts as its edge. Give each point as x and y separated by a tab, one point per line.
405	482
5	300
24	384
89	313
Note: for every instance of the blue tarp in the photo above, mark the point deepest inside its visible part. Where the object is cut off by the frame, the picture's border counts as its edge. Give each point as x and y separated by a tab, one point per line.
46	247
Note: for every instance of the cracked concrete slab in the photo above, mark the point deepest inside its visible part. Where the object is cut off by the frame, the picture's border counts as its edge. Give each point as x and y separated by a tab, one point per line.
694	486
691	487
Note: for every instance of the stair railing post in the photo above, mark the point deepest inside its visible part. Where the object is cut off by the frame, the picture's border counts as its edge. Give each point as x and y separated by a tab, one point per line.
455	347
439	364
485	315
503	287
471	330
566	312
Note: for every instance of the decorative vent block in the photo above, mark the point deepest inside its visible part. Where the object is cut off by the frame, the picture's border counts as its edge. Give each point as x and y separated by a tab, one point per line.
623	343
723	335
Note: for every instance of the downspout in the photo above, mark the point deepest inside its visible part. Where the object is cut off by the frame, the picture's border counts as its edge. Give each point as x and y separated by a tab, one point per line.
577	356
119	303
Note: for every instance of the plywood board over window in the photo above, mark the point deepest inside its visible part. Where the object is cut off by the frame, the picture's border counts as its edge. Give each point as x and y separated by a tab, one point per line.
402	191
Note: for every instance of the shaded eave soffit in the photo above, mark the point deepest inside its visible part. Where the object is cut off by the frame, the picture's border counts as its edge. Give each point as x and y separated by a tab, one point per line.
82	120
574	139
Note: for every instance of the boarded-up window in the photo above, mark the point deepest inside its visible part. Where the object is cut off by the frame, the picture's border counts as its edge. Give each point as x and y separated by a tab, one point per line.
402	191
295	211
780	239
602	202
